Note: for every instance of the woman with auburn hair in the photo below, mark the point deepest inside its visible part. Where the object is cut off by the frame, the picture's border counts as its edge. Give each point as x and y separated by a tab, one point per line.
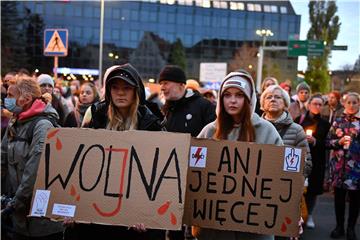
237	121
21	149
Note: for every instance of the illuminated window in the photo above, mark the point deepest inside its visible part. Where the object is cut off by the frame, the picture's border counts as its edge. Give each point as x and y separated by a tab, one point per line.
274	9
185	2
220	4
283	9
206	4
250	7
267	8
257	7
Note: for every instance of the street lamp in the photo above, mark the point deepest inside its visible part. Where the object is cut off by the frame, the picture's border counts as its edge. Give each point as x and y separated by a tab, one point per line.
264	33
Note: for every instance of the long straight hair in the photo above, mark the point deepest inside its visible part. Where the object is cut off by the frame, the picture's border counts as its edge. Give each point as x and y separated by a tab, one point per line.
225	123
121	123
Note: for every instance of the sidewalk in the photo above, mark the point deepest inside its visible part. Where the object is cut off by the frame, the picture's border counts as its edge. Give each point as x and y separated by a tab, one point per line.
324	218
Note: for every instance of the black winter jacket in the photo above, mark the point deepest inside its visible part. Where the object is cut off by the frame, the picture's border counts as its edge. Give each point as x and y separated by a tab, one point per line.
190	114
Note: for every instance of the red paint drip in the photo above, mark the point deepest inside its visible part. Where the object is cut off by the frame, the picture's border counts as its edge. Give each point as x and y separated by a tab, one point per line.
72	191
163	208
283	227
173	219
53	133
58	144
288	220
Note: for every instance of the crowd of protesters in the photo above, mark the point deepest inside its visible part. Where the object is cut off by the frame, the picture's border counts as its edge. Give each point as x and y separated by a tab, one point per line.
328	126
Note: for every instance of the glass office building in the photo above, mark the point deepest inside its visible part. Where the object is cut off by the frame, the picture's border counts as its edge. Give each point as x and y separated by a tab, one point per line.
143	32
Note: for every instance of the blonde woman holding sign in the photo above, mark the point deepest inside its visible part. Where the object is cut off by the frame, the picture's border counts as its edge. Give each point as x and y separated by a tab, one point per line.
123	109
237	121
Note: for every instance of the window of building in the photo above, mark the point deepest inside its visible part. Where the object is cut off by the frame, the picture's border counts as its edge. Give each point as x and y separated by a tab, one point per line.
237	6
283	9
185	2
153	17
116	13
107	34
220	4
180	18
88	11
134	35
144	16
97	12
78	32
267	8
125	35
171	18
78	11
58	9
134	15
39	8
203	3
198	20
223	22
189	19
207	20
274	9
250	7
257	7
115	34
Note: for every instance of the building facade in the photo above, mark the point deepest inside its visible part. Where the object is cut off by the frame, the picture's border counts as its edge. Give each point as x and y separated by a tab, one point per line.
143	33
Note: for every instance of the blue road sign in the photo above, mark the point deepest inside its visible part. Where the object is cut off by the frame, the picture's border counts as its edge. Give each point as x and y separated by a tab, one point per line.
56	42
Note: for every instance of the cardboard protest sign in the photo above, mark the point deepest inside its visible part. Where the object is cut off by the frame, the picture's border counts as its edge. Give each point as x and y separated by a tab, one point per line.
110	177
244	187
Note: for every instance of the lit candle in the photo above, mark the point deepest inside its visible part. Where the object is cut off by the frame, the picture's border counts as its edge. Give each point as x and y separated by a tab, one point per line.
309	132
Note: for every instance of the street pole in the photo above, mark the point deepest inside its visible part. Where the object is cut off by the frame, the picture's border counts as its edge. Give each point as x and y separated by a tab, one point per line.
56	65
259	68
101	42
261	60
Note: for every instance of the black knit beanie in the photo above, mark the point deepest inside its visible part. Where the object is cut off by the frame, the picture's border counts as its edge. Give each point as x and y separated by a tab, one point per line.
172	73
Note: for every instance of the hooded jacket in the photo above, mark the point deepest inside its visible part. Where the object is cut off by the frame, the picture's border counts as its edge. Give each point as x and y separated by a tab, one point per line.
265	133
20	161
146	119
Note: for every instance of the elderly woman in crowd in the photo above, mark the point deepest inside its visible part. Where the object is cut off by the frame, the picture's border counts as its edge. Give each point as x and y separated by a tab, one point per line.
275	103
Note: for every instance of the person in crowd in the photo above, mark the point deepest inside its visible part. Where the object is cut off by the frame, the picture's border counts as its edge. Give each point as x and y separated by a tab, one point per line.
88	96
47	86
287	87
344	139
9	78
123	109
275	102
185	111
237	121
71	94
333	109
316	130
193	85
299	106
210	95
268	81
21	150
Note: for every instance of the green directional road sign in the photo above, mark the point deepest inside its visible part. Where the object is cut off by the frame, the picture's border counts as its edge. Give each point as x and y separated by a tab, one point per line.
297	48
315	48
339	47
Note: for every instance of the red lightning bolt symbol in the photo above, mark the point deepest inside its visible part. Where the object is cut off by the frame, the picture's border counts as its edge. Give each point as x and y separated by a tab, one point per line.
197	155
292	160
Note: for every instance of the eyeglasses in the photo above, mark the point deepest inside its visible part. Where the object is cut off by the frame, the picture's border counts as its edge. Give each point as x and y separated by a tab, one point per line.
276	97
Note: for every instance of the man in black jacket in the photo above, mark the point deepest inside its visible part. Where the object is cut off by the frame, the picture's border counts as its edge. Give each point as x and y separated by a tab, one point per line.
185	111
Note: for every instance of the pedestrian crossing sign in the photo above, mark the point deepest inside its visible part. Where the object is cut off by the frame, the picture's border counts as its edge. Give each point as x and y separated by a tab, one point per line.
56	42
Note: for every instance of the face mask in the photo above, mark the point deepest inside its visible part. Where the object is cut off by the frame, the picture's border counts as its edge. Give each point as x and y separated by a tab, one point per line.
10	104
